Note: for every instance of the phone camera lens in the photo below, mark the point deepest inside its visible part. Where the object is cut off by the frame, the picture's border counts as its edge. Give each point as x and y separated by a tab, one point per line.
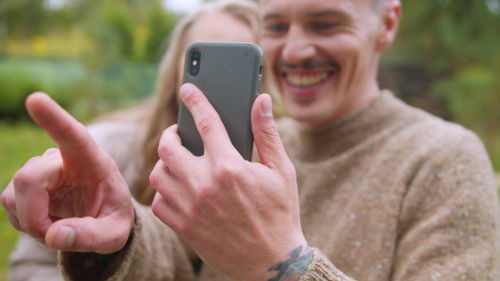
195	61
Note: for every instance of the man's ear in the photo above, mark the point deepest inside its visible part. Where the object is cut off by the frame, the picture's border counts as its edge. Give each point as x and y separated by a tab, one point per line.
391	14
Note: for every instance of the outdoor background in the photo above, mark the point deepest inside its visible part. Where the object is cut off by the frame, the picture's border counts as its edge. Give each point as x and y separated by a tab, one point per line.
94	56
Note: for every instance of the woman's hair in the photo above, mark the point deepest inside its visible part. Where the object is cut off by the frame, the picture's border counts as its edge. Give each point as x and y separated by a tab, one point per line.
166	100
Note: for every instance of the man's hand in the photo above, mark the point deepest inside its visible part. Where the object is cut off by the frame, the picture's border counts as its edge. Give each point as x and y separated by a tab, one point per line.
241	218
74	197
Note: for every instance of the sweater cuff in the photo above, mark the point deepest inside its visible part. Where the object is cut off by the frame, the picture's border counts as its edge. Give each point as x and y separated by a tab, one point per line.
322	269
93	266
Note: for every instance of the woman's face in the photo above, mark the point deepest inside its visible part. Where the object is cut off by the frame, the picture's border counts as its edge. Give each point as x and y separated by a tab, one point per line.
220	27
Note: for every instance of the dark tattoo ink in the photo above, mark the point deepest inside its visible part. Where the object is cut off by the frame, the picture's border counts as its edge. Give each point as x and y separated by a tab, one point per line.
294	267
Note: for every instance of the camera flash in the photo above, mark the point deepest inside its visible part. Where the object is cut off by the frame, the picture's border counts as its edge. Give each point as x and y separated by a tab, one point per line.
195	62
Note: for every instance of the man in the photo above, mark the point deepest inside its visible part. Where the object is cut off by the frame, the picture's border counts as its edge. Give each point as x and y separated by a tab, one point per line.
367	189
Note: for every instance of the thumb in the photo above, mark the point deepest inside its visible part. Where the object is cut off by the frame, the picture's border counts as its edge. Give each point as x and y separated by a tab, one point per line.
266	137
102	235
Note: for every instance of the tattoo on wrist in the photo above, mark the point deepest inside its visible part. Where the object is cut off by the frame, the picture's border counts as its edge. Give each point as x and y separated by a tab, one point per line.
294	267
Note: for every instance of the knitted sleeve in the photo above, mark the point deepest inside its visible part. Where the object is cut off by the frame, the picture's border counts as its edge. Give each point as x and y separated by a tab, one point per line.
321	269
447	226
33	261
153	252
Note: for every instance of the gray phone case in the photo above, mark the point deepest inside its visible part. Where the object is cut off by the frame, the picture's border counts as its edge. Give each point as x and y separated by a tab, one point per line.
229	76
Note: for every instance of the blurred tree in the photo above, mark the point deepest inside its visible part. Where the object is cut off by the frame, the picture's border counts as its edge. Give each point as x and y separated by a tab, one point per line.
24	18
458	42
160	25
119	38
131	29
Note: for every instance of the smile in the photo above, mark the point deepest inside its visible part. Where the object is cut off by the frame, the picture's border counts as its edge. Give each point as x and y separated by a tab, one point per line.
306	81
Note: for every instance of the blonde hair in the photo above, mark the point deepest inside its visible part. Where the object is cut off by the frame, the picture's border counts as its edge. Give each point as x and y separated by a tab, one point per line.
166	101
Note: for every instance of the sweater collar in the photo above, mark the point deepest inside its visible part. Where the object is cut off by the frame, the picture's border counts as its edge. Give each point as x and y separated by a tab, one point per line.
343	134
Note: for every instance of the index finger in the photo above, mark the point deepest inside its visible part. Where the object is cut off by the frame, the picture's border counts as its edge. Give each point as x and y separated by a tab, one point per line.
72	138
207	120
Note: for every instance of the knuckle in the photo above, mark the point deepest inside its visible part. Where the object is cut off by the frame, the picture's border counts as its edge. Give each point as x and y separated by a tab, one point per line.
225	170
269	132
155	208
22	179
194	100
6	201
204	125
50	151
91	240
165	152
207	193
181	227
31	161
154	178
192	212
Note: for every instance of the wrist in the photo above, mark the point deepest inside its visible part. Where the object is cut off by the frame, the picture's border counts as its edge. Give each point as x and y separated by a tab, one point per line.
287	260
293	266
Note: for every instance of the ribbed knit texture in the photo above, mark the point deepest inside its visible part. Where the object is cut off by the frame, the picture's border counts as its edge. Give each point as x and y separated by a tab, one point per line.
321	269
387	193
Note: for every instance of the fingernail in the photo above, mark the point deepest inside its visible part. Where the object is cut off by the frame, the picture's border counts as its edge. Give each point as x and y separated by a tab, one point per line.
185	91
66	234
266	107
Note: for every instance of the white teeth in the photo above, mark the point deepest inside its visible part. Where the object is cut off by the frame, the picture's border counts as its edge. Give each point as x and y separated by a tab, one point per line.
306	80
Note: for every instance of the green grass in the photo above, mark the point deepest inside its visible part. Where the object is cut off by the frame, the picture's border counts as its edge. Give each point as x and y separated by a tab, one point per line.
18	143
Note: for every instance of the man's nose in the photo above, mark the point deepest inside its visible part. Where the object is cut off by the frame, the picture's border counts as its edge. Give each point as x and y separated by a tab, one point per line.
298	47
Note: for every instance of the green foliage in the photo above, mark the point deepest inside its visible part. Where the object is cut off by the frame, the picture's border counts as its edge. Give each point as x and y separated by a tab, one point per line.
473	96
131	30
448	34
112	29
83	93
160	25
458	43
24	17
19	78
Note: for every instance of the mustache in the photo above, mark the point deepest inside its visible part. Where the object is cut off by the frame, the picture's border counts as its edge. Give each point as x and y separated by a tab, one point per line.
308	64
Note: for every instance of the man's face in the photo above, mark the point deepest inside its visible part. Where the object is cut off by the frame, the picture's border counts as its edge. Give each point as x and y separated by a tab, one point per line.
323	54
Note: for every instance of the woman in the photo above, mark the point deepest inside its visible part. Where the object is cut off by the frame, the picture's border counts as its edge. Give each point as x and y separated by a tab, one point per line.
131	137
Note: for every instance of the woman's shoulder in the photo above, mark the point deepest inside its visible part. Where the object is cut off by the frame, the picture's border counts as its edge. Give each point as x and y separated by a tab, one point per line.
119	132
120	139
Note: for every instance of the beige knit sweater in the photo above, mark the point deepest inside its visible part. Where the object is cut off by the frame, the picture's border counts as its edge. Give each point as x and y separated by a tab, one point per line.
389	193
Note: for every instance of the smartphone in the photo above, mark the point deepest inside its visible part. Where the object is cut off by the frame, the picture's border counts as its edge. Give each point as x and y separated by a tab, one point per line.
229	74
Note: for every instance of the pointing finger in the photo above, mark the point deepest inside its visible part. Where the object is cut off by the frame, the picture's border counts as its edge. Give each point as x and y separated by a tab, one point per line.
74	141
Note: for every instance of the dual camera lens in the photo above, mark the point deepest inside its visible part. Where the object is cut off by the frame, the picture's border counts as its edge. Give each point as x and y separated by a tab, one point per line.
194	62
